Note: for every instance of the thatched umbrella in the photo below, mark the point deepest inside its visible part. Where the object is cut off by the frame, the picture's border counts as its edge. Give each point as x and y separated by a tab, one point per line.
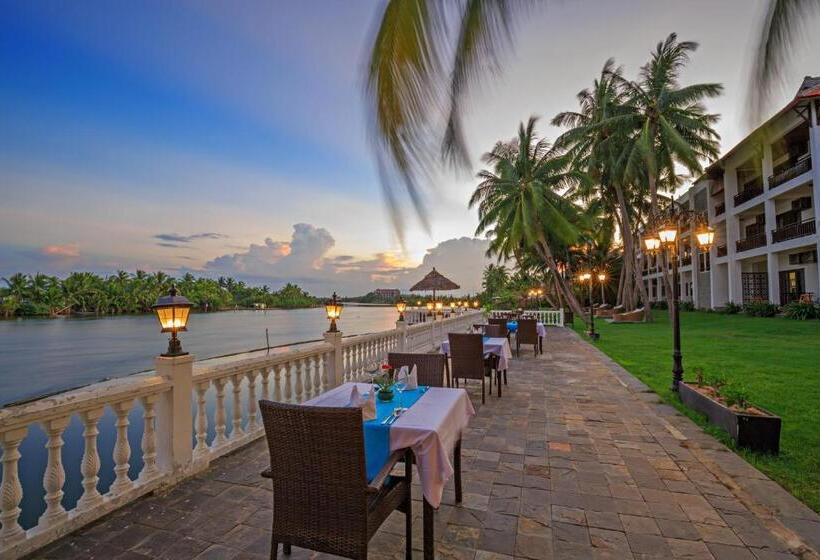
434	281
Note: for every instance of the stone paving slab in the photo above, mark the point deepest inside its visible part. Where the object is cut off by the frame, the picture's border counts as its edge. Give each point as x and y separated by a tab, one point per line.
577	460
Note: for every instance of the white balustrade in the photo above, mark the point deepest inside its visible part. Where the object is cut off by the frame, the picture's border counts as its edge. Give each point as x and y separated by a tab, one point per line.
292	376
549	317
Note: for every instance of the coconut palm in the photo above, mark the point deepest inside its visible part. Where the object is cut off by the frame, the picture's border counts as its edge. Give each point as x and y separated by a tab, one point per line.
424	58
784	27
521	204
668	123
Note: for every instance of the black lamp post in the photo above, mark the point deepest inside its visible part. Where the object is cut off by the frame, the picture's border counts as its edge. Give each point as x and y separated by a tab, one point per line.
587	277
172	312
663	237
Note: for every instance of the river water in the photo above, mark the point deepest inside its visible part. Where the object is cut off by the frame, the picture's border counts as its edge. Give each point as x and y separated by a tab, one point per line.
44	356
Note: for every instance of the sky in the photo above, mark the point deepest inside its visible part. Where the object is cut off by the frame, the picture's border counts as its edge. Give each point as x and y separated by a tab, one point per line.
231	138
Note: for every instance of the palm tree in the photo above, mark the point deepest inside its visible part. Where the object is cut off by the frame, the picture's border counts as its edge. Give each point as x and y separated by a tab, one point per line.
494	278
520	202
18	285
668	123
425	56
784	27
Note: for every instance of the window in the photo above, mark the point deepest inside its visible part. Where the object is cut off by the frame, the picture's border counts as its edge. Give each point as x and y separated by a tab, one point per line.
805	257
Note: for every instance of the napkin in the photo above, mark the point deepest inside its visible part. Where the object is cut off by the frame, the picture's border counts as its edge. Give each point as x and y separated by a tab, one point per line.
368	405
413	379
401	376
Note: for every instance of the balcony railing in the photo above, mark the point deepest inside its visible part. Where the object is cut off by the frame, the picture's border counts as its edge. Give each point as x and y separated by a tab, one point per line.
686	261
794	231
750	242
751	190
720	208
789	173
721	250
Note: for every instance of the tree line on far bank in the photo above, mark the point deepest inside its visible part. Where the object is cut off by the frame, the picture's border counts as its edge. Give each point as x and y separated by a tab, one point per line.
88	293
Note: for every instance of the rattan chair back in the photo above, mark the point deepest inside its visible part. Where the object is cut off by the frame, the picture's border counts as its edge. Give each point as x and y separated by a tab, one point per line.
430	367
467	355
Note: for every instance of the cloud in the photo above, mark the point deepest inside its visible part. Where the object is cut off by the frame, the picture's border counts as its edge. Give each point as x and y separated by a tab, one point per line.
304	259
177	238
69	250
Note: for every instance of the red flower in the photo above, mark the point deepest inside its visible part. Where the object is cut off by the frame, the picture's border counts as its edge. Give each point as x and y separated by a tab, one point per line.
387	366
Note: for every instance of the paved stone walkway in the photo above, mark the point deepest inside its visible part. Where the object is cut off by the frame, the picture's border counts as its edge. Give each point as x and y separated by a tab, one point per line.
577	460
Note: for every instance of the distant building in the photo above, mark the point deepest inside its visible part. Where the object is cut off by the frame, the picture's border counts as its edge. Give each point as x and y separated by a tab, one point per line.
387	294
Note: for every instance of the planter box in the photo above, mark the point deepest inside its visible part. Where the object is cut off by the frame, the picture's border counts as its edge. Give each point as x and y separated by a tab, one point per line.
756	432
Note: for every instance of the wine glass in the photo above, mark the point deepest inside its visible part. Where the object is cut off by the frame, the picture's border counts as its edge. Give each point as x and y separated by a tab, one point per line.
400	386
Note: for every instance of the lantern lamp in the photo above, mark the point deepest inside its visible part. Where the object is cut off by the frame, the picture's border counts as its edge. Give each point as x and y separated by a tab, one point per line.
475	304
667	233
439	307
602	277
172	312
652	243
705	236
334	311
401	305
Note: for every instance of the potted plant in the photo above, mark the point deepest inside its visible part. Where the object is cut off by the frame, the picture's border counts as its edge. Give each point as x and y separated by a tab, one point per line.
727	405
385	383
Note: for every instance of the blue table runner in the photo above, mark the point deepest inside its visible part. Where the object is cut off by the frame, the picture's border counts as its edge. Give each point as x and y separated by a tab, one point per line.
377	435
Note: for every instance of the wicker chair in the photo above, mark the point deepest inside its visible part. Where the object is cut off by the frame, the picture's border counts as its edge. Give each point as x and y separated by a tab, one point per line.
527	334
495	331
503	323
322	500
430	367
468	361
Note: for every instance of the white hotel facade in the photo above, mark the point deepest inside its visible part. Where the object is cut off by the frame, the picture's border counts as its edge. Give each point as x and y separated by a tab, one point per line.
761	199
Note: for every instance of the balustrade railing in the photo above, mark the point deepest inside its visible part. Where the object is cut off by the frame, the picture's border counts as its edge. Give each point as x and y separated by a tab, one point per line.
751	190
751	242
178	438
793	231
549	317
789	172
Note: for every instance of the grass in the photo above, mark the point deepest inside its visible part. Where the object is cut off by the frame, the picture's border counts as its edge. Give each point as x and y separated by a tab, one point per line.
776	360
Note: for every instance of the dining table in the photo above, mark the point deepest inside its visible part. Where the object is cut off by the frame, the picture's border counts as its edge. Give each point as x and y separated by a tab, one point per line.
431	426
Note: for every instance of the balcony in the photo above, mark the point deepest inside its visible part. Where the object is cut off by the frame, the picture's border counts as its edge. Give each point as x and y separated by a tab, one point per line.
721	250
793	231
720	208
686	261
750	190
790	171
751	242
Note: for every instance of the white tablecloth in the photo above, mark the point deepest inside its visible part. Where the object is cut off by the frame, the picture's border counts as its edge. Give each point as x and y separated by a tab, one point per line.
498	346
431	428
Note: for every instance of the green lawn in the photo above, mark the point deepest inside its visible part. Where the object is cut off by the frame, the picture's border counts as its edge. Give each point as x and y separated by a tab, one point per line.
777	360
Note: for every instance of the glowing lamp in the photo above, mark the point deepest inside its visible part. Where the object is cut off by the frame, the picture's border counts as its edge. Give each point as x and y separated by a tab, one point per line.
172	312
401	305
439	307
652	244
475	304
602	277
705	236
667	233
334	311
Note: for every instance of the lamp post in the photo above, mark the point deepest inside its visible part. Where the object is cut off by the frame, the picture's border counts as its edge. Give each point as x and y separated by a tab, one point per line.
172	312
602	278
662	236
334	311
586	277
401	305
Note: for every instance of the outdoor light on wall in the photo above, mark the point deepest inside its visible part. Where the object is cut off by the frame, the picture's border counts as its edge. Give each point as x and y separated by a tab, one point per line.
401	305
334	311
172	312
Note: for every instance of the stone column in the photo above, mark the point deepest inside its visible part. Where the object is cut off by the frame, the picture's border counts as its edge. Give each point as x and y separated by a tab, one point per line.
336	367
174	414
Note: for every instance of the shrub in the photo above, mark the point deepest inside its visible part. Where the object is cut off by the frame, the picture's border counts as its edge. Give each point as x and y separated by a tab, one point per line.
699	377
735	395
760	309
659	304
687	306
800	311
717	381
732	308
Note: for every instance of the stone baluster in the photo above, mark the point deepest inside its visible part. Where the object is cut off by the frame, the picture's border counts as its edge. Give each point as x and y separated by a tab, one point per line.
300	387
277	383
219	415
253	420
149	438
288	392
54	476
11	492
266	384
325	370
122	450
237	431
309	389
90	465
201	418
317	376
